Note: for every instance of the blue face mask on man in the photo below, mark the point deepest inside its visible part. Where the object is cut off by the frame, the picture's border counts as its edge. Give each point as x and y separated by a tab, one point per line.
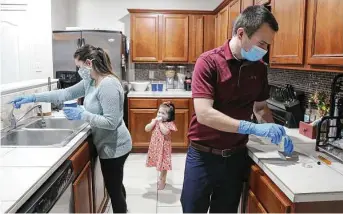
254	54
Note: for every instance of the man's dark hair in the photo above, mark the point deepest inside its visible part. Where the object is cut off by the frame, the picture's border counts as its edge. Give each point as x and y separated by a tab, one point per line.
252	18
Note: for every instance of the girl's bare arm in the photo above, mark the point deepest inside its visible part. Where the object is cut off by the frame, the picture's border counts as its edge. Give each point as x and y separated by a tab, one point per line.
150	125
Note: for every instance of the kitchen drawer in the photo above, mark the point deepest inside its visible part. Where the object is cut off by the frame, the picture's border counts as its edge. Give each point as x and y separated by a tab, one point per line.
178	103
143	103
80	158
253	205
267	193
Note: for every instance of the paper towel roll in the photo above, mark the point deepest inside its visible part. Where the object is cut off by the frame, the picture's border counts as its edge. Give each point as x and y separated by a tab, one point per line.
46	109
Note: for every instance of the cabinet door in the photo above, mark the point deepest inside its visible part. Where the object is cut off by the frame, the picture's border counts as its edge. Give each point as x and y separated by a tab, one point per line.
288	44
174	38
209	36
253	205
100	195
260	2
145	37
82	188
223	25
234	11
325	39
246	3
138	119
217	31
179	138
196	37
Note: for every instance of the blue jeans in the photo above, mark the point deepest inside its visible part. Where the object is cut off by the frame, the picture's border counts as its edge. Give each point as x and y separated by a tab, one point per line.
213	182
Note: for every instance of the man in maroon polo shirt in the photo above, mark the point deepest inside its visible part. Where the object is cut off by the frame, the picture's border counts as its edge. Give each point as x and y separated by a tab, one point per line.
229	85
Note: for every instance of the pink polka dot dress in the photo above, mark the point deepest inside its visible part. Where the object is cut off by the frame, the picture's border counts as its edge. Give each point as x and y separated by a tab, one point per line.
159	153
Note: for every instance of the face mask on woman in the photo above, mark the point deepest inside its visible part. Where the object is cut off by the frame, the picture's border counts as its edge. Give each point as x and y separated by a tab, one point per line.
85	72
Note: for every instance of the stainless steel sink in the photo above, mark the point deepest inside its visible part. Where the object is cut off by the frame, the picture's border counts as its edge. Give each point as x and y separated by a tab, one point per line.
37	138
56	123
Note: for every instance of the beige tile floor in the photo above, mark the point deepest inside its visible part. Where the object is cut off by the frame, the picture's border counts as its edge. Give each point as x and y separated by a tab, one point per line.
140	183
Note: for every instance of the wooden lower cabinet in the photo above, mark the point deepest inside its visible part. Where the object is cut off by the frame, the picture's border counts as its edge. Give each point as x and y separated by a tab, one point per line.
82	186
253	205
179	138
89	191
140	114
264	196
138	119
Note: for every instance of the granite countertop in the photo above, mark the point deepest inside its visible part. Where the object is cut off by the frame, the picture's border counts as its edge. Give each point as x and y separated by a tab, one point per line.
24	170
160	94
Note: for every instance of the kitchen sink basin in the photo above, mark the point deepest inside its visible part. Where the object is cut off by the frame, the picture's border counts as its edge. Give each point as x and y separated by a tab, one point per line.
56	123
37	138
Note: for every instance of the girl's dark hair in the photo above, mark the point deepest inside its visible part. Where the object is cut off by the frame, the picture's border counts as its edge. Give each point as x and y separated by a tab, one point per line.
171	111
101	62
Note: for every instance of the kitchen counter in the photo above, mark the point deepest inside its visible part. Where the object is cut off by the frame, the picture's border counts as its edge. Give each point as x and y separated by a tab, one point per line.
24	170
301	179
160	94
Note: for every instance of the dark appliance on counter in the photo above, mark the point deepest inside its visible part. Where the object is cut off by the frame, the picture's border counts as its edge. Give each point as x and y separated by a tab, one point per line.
286	105
55	195
330	128
67	78
65	43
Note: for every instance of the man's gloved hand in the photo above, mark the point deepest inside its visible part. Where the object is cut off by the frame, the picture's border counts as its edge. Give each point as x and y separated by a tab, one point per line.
270	130
17	102
288	146
73	113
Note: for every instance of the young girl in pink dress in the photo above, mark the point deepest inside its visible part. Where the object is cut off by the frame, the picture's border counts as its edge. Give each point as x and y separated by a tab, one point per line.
159	154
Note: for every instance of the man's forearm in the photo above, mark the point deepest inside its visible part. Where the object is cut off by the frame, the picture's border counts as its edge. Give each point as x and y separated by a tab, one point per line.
217	120
264	115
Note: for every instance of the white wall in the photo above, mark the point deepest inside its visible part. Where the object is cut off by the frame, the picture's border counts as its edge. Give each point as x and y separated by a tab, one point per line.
27	34
111	14
62	14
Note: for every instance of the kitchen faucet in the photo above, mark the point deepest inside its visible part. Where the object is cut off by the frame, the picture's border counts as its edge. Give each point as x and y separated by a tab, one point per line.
14	121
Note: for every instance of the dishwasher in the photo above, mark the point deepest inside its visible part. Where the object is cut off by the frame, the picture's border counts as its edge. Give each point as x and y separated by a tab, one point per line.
55	195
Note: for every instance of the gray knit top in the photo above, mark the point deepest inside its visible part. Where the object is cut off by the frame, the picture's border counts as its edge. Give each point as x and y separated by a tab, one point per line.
103	111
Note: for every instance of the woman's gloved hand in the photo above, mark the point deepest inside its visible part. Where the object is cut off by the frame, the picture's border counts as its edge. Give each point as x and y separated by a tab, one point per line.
73	113
18	101
270	130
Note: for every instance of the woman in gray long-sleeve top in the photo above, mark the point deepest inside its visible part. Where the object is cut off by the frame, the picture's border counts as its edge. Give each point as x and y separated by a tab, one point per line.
103	110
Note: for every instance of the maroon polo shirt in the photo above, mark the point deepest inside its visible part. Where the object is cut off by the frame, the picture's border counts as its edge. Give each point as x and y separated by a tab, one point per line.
234	86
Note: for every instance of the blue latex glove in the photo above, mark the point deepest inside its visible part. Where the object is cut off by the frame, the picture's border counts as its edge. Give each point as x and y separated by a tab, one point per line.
288	146
73	113
17	102
270	130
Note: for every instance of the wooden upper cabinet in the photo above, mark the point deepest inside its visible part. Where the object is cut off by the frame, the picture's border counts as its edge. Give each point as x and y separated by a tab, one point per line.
288	44
174	38
246	3
260	2
223	17
217	31
209	32
145	37
234	11
325	32
196	37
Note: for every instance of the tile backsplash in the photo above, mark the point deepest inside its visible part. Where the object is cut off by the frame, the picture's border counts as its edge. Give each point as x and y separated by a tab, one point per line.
142	70
306	81
6	108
